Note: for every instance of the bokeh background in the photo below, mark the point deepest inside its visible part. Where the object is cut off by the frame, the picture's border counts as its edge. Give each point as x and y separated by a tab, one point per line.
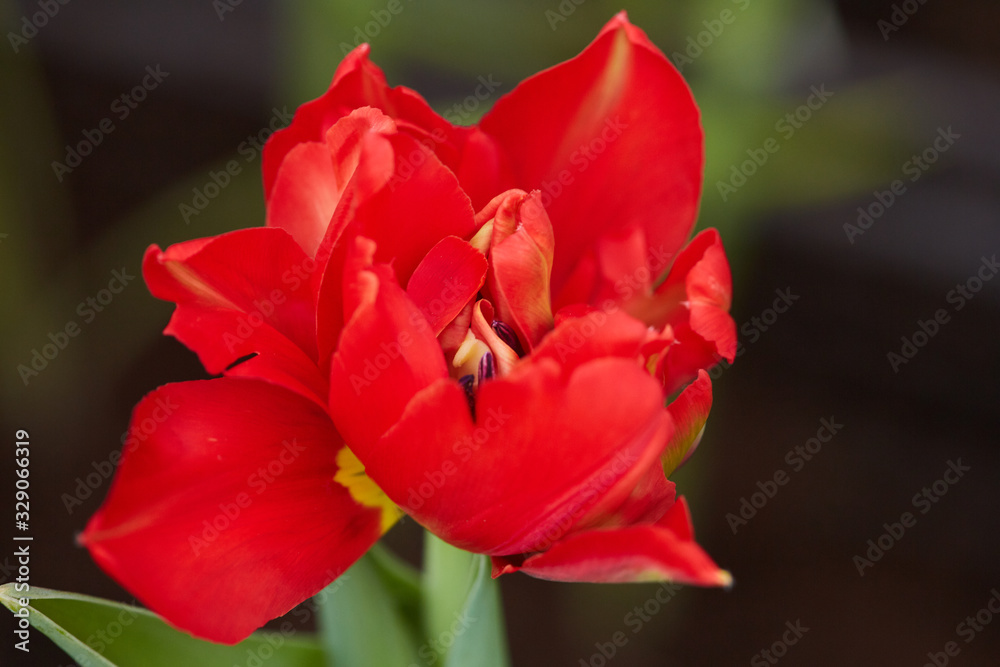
902	74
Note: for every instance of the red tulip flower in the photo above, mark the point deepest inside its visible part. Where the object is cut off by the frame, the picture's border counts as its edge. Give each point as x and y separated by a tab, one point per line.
480	327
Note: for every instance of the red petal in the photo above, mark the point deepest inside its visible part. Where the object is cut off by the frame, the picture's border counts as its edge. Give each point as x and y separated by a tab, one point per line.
387	353
521	264
584	334
223	513
612	137
623	269
694	300
446	280
684	359
662	551
690	412
702	271
247	292
419	205
544	449
313	176
359	83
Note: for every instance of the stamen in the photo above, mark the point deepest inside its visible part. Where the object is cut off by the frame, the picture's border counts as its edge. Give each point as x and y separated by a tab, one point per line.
487	367
507	335
468	383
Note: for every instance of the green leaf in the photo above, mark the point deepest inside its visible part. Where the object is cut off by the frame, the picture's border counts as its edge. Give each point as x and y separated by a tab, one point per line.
462	608
402	581
102	633
363	619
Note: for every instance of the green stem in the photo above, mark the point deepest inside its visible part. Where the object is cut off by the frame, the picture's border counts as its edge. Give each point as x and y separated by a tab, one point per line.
462	608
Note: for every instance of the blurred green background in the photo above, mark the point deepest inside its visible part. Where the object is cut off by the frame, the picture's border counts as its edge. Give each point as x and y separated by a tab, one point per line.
897	77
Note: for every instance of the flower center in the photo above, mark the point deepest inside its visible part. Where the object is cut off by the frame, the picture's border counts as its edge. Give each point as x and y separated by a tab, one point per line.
488	351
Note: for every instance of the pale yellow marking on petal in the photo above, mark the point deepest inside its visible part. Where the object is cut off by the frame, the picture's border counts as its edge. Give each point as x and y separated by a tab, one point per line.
605	95
351	475
193	282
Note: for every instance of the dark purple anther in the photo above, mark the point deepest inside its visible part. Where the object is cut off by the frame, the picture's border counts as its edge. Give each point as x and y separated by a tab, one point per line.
468	383
487	367
507	335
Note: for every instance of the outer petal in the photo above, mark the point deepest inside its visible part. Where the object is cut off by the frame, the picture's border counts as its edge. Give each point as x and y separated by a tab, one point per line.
612	137
662	551
314	175
694	300
249	292
701	273
226	495
690	412
545	447
359	83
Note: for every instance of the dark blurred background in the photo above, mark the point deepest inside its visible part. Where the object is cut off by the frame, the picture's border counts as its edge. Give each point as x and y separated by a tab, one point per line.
818	232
